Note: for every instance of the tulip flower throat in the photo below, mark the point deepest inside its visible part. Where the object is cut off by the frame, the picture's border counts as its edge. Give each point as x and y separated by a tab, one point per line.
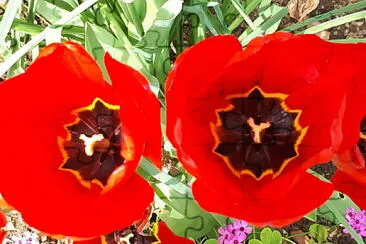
92	150
257	134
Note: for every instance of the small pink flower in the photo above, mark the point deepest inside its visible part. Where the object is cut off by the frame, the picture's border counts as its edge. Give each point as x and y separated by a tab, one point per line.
357	221
234	233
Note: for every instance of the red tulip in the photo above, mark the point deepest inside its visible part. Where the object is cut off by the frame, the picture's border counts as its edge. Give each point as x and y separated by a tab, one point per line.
74	142
351	149
249	123
350	186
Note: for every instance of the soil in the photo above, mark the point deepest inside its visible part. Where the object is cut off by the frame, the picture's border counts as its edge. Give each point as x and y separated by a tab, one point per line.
354	29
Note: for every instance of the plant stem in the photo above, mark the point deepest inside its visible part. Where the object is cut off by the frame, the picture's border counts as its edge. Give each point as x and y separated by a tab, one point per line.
288	240
300	234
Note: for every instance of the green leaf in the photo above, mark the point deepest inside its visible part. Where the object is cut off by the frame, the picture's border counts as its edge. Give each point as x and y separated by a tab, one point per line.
334	210
351	40
4	66
184	216
158	34
330	14
206	18
276	237
211	241
194	222
335	22
9	16
266	235
241	11
98	41
52	13
255	241
249	8
264	27
319	232
312	215
32	6
152	8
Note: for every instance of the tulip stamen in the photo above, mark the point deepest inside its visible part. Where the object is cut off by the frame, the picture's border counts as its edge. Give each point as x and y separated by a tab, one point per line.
92	150
257	130
89	142
126	238
257	134
363	136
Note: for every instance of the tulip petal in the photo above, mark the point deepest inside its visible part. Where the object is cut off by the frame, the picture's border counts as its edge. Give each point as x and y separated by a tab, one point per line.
137	101
272	209
2	225
353	188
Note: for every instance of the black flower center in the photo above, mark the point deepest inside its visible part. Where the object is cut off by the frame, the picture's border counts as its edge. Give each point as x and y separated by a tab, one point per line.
92	149
257	134
362	141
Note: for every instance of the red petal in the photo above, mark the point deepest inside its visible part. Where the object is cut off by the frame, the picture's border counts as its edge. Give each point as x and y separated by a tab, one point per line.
351	162
166	236
356	93
272	208
192	71
2	224
139	106
37	105
80	212
354	189
98	240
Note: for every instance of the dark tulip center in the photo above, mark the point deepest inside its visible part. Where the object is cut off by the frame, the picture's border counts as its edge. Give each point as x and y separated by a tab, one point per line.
257	134
362	141
93	147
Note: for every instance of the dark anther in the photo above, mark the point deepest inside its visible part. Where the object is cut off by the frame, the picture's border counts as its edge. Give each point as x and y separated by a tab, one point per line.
257	134
93	149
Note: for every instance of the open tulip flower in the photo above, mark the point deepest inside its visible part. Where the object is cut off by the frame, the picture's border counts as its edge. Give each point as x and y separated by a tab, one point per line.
72	142
350	157
248	124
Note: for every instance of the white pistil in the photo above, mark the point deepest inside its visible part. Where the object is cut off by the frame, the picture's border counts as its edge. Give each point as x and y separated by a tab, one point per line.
126	239
89	142
257	129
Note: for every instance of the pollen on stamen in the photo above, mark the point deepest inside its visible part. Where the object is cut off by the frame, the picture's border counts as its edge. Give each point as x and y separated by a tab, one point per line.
89	142
257	129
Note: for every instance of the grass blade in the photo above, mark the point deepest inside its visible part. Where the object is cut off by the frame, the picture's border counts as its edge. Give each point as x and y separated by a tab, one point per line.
4	67
335	22
333	13
8	19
